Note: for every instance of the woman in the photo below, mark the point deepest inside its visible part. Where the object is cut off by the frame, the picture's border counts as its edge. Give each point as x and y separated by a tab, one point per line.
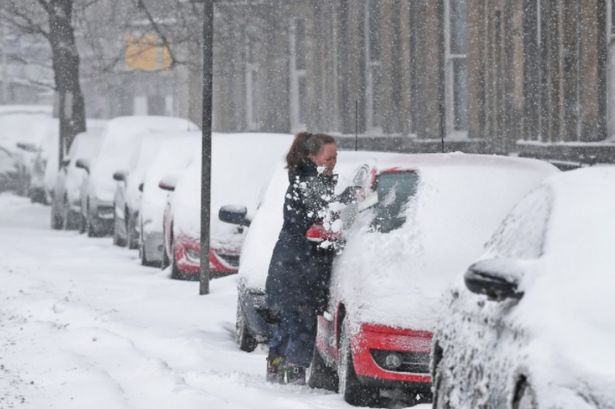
299	269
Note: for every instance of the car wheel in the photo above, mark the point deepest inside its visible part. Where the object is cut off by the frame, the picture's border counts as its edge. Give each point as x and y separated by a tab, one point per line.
82	224
69	218
349	385
244	339
117	240
56	220
525	398
321	376
131	242
90	227
441	388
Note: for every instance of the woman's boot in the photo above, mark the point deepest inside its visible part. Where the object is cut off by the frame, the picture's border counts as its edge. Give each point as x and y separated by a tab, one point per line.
276	369
295	374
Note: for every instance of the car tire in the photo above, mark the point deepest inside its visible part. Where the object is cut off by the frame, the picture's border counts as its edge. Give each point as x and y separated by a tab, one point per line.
82	224
349	386
117	240
91	229
244	339
131	242
56	220
70	220
441	388
525	397
320	375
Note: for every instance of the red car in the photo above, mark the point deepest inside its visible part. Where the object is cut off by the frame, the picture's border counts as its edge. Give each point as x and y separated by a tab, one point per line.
423	219
181	231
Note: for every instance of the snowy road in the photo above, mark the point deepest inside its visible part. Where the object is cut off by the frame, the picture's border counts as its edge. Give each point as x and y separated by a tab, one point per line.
83	325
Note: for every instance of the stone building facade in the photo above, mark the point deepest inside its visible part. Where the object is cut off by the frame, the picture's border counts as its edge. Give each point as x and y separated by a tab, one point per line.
534	77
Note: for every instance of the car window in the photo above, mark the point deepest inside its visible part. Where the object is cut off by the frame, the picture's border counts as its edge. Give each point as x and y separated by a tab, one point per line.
522	234
394	190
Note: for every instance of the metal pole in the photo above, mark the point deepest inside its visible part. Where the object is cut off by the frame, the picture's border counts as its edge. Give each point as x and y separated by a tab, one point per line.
208	34
4	63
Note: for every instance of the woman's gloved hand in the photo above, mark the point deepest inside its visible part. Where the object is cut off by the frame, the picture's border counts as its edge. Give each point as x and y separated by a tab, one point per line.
317	233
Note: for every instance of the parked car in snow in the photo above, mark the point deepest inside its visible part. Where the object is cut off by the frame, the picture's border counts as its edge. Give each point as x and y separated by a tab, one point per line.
173	157
128	191
8	170
240	166
22	133
121	137
423	218
70	180
530	323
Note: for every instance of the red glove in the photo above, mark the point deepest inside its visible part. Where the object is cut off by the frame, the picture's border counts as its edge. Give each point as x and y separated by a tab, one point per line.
317	234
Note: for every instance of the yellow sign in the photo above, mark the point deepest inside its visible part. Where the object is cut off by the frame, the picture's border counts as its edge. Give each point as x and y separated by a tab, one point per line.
144	53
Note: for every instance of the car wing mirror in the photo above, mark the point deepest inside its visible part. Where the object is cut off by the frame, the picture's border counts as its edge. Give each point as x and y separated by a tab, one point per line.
28	147
498	279
168	183
119	176
83	164
234	215
141	187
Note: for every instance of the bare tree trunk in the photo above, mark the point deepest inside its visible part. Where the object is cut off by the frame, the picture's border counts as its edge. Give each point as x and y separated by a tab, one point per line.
66	70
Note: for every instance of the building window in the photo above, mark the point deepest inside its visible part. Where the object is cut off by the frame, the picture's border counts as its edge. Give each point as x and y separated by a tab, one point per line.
252	112
373	66
456	70
298	87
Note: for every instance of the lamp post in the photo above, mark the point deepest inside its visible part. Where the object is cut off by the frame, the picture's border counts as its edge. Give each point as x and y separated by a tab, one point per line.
208	34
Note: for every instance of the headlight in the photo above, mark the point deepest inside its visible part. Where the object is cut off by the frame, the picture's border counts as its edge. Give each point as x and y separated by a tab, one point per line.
193	255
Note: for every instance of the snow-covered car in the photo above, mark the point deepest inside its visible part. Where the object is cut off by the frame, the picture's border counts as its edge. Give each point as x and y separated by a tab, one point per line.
22	133
173	157
128	191
265	226
70	180
240	165
424	217
121	137
8	170
530	323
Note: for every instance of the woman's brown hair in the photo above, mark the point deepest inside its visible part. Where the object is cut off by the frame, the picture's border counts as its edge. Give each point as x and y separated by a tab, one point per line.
304	145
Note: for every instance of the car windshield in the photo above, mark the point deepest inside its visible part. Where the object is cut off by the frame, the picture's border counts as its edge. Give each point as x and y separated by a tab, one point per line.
394	190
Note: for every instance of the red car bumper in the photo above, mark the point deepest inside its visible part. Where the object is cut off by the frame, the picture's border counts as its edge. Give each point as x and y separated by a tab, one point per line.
387	354
187	258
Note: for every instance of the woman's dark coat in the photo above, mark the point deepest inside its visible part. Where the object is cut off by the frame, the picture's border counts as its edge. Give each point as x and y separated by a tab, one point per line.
299	270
